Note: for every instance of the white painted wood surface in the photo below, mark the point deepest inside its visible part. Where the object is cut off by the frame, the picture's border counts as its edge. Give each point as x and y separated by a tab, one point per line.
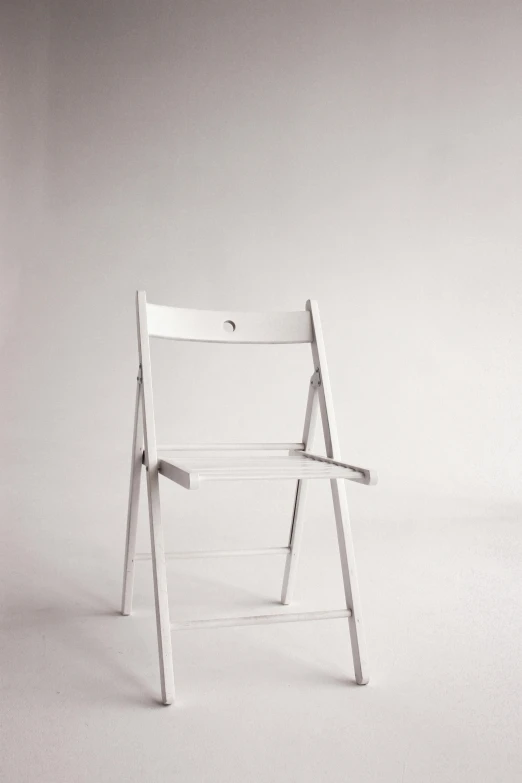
159	570
342	519
134	497
210	326
369	476
190	464
232	447
203	553
296	530
262	619
190	471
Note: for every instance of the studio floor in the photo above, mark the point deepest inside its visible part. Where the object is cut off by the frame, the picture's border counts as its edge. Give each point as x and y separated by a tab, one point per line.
442	602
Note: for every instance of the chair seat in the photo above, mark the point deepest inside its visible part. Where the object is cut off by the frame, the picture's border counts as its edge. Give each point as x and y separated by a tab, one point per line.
189	469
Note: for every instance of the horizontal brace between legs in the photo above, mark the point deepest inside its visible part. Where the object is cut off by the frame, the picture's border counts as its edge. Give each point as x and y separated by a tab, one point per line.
231	447
275	550
263	619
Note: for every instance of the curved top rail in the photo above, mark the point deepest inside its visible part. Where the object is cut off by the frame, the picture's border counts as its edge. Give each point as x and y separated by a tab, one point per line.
216	326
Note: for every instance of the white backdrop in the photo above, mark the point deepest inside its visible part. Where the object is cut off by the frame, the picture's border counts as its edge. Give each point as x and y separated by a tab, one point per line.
252	155
249	156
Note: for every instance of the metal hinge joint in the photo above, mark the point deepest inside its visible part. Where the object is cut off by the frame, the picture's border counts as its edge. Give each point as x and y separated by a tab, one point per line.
315	380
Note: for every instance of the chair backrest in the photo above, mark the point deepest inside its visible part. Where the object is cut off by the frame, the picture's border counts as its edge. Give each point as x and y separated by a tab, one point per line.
216	326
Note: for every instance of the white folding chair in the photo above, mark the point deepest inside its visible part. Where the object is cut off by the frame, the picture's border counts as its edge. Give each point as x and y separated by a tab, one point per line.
191	465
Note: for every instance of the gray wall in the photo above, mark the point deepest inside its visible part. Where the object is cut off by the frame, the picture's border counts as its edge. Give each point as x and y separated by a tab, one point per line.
252	155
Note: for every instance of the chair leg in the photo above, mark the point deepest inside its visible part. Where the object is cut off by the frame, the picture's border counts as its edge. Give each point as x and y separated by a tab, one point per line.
132	512
296	536
296	532
161	596
351	587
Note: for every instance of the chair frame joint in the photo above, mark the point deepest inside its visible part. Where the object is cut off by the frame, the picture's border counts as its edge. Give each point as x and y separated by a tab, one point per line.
315	380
